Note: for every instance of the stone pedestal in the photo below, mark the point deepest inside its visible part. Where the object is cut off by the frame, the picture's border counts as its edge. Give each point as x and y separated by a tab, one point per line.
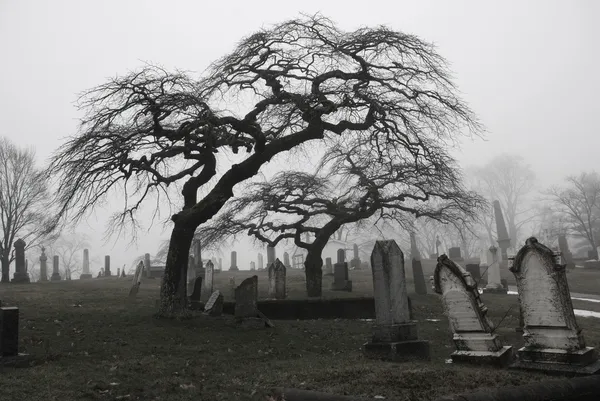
85	276
397	343
481	349
580	362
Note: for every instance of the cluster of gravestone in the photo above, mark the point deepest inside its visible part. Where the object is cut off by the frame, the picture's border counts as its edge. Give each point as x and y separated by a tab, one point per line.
553	340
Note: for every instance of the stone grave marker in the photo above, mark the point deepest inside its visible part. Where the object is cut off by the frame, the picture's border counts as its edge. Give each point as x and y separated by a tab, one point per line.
147	265
277	275
553	339
137	280
355	262
472	331
43	266
565	252
9	331
55	269
340	273
234	266
394	334
246	304
271	256
286	260
195	296
328	267
214	305
252	266
454	253
208	279
85	273
474	272
107	272
417	268
261	265
20	275
503	238
494	283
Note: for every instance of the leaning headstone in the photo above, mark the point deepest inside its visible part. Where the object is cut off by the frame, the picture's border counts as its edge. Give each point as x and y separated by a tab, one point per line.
565	252
9	331
107	266
553	340
494	282
85	273
214	305
196	294
234	266
472	331
137	280
208	279
277	273
43	266
328	267
20	275
55	269
340	273
394	334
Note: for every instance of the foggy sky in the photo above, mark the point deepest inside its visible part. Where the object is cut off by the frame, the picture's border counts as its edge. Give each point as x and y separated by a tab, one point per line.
528	69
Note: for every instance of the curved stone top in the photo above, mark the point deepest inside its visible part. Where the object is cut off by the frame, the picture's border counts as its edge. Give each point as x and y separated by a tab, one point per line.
19	243
463	275
546	254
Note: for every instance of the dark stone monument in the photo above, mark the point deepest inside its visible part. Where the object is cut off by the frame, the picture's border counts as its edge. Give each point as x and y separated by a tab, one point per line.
43	266
567	257
9	331
55	269
454	253
20	275
246	298
340	273
474	271
355	262
328	267
85	271
234	266
277	276
107	265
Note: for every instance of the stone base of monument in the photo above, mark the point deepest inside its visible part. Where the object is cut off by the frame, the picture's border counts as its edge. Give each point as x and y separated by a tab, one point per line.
550	360
495	290
85	276
20	278
20	360
501	358
55	277
397	343
343	286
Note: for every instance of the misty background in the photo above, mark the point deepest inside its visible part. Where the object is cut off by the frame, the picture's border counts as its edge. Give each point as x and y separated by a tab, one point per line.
527	69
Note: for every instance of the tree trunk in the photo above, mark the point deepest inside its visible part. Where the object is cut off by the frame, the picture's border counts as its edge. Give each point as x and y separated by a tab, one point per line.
313	270
173	296
5	270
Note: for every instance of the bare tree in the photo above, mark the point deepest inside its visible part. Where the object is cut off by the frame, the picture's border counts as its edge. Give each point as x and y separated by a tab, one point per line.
579	202
23	202
508	179
306	80
362	182
69	248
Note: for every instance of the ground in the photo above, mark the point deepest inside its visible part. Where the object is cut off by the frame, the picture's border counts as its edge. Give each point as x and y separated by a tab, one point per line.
91	343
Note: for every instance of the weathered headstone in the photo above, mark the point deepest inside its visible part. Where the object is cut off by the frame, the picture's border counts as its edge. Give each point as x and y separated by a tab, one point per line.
473	270
208	279
454	253
20	275
270	255
503	238
286	260
214	305
252	266
553	340
107	272
9	331
471	329
234	266
85	271
494	283
43	266
565	252
246	299
328	267
340	273
55	269
277	274
355	262
147	265
394	334
137	280
260	261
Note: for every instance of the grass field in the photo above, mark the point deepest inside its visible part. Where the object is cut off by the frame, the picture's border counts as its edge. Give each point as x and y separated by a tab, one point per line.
90	343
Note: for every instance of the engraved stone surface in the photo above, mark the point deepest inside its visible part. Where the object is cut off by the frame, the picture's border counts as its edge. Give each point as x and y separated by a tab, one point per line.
246	298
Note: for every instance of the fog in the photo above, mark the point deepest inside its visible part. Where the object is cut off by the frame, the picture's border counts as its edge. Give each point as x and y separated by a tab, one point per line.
527	69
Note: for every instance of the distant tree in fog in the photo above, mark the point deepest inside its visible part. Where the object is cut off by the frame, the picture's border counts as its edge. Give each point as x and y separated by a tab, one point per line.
69	248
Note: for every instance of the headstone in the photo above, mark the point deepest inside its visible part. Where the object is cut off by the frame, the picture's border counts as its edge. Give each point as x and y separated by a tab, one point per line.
472	331
270	255
246	299
340	274
43	266
234	266
20	275
252	266
553	340
394	334
214	305
277	273
355	262
55	269
208	279
137	280
419	277
107	266
454	253
123	271
9	331
474	272
147	265
118	272
196	294
565	252
494	283
260	261
503	239
85	271
328	267
286	260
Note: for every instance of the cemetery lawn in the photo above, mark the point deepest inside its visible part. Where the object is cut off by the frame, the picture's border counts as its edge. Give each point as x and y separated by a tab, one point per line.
90	343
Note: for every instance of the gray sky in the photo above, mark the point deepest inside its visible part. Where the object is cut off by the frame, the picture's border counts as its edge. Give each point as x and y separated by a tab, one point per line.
529	69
